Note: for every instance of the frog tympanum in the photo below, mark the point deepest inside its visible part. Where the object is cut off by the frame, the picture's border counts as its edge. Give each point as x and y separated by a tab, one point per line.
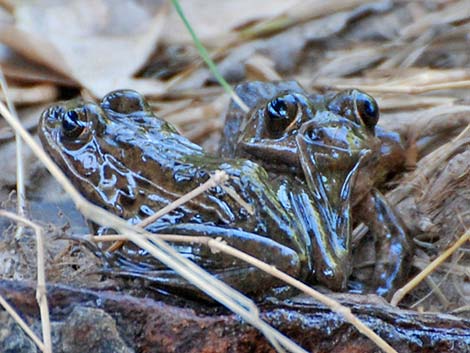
125	159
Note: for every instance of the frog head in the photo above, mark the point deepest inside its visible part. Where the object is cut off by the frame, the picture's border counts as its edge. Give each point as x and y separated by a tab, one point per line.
113	151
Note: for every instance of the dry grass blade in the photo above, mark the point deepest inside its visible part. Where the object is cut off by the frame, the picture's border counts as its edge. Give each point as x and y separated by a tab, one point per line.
428	123
44	92
41	296
215	288
410	88
461	309
429	164
400	101
302	11
10	310
233	194
191	112
410	81
262	68
20	188
400	294
214	180
455	12
435	287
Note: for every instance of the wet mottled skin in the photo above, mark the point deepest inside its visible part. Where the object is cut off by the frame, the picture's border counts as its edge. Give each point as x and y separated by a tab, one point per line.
284	132
123	158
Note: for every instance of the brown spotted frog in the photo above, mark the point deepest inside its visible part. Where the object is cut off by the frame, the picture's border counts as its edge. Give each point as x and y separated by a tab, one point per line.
132	163
284	132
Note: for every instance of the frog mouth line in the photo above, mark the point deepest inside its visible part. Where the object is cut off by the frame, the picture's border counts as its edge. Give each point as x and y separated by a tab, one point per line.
336	148
267	147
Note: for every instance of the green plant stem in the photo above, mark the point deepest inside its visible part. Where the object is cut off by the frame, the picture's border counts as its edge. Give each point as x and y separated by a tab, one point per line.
205	56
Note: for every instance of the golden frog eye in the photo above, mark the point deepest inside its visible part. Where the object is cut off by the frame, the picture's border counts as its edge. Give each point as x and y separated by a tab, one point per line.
279	114
72	125
367	109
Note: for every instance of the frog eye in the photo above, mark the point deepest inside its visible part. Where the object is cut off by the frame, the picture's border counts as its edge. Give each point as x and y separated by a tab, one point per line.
72	126
279	113
124	102
367	109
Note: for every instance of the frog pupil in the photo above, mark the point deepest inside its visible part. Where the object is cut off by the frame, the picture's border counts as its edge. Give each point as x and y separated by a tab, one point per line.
368	110
278	108
279	114
71	124
372	112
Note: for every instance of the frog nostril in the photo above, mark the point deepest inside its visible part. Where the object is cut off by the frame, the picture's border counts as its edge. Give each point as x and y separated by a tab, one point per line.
313	135
53	115
328	273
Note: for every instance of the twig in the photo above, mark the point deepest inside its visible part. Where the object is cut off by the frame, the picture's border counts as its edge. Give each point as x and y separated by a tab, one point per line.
409	89
435	288
214	180
20	188
234	195
400	294
41	294
22	324
39	93
428	165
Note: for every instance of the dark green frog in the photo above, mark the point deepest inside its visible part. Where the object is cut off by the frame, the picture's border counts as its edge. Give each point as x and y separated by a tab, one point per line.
125	159
274	134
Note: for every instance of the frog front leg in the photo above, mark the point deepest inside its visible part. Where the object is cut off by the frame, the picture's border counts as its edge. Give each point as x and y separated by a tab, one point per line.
330	171
393	246
234	272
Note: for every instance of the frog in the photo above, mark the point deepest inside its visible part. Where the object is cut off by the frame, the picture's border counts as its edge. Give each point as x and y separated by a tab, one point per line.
125	159
270	134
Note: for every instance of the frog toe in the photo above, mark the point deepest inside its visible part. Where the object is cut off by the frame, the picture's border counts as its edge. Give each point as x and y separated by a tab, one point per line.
334	277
